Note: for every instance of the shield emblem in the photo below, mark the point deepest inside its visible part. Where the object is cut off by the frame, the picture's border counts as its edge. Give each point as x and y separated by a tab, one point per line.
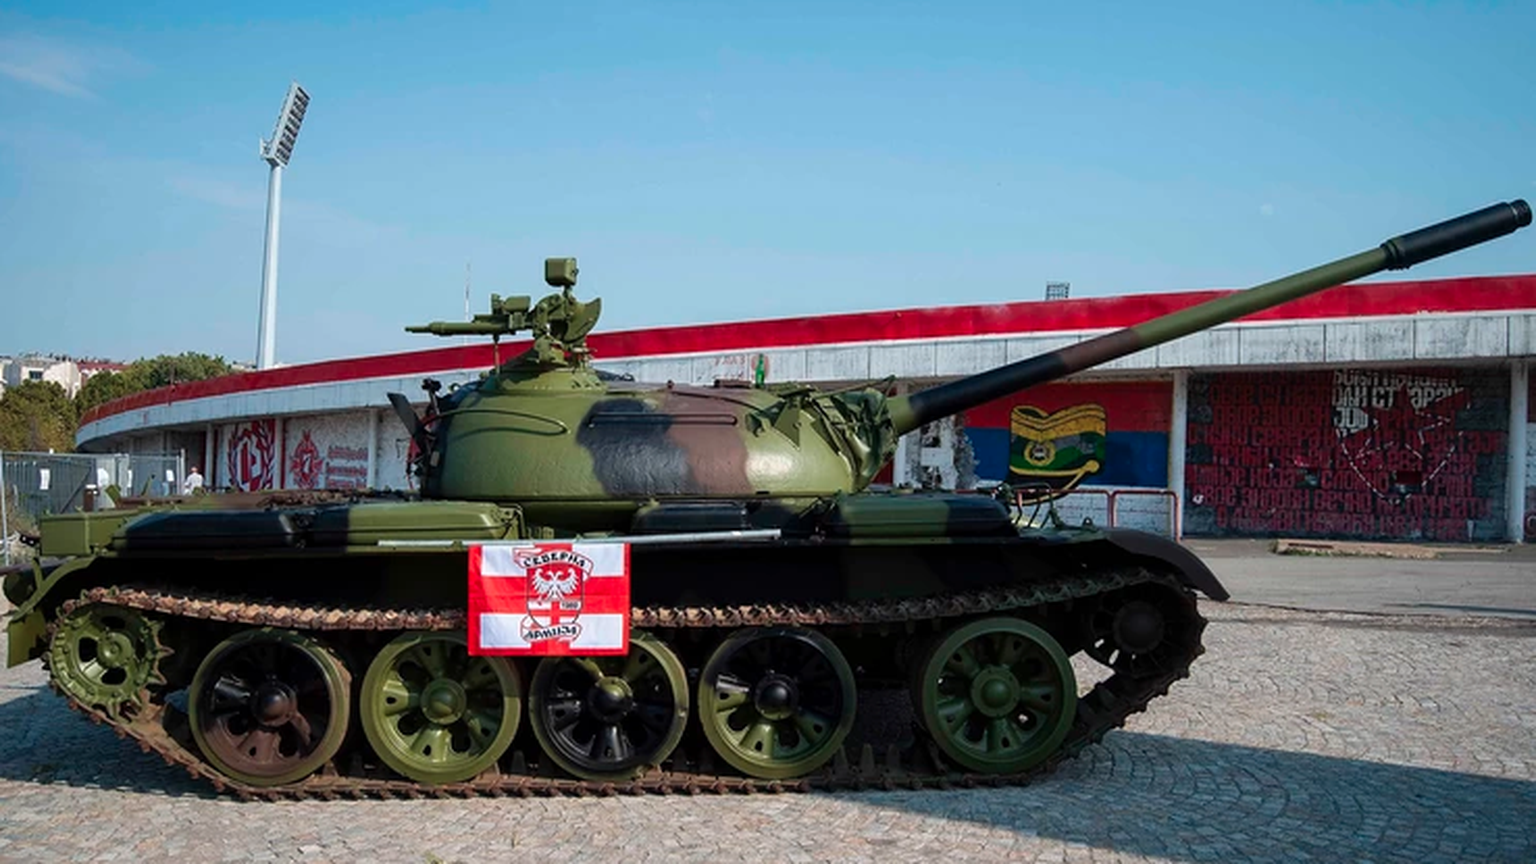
556	592
1053	452
251	451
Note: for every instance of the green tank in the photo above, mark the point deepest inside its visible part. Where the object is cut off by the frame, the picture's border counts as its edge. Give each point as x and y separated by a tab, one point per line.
786	627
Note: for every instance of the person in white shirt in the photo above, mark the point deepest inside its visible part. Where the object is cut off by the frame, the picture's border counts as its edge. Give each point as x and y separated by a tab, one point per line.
103	480
193	482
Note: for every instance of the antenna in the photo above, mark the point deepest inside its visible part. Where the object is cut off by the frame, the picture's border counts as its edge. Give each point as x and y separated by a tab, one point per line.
467	316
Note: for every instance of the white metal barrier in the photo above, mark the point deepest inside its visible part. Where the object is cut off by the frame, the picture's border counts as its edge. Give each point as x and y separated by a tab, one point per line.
33	485
1104	506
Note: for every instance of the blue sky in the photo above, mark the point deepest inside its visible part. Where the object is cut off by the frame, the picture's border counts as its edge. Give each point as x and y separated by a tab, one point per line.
775	160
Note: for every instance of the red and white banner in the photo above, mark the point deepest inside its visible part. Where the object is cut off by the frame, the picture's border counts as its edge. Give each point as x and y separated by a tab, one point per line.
549	599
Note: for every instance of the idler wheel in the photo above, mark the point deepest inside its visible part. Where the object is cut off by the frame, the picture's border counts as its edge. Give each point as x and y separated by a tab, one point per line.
104	656
776	702
997	695
436	714
1130	632
1138	627
269	707
610	718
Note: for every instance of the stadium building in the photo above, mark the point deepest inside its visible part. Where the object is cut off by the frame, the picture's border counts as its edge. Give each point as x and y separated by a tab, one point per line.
1393	410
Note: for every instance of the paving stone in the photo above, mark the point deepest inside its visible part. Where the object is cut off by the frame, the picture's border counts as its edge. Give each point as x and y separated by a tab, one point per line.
1299	736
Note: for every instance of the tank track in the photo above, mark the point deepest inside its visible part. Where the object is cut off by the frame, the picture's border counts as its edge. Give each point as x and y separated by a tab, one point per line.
1105	707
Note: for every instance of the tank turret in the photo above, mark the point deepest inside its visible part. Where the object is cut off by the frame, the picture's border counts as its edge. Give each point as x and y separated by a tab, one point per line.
545	432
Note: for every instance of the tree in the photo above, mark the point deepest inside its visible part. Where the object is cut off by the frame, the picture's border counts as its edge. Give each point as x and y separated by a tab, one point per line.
178	369
104	387
147	374
37	416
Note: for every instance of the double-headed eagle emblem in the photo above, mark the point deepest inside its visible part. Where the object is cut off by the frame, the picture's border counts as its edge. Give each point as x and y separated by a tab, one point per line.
553	584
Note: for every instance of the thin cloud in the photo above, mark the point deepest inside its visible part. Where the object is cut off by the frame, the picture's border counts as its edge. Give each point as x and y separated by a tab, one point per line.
335	224
219	193
58	67
339	225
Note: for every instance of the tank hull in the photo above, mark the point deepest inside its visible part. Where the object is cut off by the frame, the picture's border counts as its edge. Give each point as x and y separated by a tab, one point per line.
879	577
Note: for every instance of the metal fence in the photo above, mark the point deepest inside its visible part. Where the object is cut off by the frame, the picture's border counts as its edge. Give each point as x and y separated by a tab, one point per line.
1155	511
33	485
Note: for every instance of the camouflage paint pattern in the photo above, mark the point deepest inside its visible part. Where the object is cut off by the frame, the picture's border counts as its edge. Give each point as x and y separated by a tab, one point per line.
563	450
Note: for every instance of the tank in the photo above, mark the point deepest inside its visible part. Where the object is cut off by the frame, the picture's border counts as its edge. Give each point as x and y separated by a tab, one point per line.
785	626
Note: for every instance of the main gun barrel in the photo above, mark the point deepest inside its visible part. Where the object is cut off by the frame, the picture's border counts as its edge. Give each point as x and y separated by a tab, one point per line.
1399	253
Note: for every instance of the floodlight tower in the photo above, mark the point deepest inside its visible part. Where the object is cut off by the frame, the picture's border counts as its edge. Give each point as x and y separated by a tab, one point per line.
276	152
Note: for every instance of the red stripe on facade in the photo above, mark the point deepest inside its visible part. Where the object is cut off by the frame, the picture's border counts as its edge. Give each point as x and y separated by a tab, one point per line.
1473	294
1132	406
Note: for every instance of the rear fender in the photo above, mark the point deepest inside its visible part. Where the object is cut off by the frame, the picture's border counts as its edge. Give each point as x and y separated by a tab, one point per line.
1183	563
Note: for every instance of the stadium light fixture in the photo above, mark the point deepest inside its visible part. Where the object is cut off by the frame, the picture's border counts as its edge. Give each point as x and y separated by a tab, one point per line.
276	152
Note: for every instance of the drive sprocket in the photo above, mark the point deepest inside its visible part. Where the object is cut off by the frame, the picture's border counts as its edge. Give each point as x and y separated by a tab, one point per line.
106	656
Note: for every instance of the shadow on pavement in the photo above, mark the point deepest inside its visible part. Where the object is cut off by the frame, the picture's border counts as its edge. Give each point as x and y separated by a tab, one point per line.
1189	800
47	743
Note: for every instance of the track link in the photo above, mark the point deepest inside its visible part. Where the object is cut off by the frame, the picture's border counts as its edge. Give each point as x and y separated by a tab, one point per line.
1103	708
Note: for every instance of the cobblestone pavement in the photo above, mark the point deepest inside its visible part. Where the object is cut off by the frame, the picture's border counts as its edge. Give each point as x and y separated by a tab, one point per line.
1300	736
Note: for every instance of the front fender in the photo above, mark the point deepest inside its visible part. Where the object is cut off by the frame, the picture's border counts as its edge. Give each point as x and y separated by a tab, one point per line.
28	625
24	637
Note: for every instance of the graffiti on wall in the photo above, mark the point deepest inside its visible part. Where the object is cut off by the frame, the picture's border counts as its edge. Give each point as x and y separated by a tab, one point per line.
346	467
1361	453
1397	433
1056	428
328	452
736	367
250	455
305	465
1056	449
